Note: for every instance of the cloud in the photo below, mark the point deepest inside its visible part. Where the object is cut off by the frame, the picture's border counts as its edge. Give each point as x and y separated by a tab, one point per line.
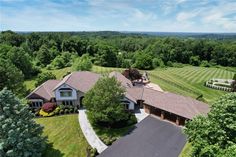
184	16
219	15
137	15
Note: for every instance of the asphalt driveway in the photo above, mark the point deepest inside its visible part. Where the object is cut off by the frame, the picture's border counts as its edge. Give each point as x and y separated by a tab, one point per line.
152	137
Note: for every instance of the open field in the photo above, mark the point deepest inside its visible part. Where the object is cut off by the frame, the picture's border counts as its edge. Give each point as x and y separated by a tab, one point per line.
189	80
65	136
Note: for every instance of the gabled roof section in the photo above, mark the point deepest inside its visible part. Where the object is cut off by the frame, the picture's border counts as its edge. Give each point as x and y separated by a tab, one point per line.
80	80
121	78
44	91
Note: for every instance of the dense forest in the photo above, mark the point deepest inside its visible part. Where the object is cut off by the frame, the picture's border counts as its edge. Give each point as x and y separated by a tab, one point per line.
22	55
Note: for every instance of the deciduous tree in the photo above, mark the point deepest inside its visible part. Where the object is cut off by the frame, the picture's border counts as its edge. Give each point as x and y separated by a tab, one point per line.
11	77
216	133
103	102
83	63
42	77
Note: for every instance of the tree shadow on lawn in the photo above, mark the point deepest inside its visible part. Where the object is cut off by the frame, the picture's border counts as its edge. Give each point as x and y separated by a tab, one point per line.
52	152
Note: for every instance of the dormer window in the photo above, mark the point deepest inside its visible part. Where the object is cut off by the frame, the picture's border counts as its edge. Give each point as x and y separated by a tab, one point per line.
65	92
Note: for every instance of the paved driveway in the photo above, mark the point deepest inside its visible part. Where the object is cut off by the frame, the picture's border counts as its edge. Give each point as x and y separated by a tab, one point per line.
151	138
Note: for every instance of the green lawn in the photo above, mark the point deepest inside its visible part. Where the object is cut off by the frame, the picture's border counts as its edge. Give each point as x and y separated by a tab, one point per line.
65	136
189	80
186	152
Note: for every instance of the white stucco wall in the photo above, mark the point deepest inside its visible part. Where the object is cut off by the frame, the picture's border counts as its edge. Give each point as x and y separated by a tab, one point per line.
59	98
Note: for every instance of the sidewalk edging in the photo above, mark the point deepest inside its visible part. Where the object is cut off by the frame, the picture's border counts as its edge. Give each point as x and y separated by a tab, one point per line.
89	133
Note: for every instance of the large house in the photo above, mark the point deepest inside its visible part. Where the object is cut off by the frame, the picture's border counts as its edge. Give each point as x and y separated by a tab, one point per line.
71	89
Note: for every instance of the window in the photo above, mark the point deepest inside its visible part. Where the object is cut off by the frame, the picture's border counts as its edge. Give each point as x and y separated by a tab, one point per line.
67	103
37	104
126	104
65	93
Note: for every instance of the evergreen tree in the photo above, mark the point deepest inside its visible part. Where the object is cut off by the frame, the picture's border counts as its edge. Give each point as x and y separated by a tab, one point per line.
20	135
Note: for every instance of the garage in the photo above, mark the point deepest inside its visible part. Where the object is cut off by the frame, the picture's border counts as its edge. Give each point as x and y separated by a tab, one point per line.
179	120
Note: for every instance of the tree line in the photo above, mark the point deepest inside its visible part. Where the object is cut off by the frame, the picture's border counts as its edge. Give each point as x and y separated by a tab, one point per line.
23	55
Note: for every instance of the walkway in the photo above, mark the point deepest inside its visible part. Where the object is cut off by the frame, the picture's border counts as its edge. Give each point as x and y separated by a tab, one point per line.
89	133
140	114
152	137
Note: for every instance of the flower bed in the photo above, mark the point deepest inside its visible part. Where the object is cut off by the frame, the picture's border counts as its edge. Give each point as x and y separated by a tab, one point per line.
49	110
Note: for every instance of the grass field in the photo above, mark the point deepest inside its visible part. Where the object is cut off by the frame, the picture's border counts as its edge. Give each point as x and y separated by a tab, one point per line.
189	80
65	136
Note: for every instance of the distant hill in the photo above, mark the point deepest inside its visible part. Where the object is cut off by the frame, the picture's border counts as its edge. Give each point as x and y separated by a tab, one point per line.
189	34
218	36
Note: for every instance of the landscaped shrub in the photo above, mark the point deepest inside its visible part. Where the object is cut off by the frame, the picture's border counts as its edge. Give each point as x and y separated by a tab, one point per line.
91	152
46	114
49	107
61	111
132	120
108	140
66	110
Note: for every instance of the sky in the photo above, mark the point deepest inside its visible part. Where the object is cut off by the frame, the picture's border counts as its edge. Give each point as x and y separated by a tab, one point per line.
119	15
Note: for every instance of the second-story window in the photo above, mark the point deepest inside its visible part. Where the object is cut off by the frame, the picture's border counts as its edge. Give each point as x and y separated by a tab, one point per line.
65	92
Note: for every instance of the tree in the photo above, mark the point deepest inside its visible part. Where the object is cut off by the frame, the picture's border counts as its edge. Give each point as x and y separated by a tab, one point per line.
106	56
11	77
83	63
58	63
42	77
20	135
157	62
21	60
103	103
11	38
195	60
143	61
216	132
43	55
132	74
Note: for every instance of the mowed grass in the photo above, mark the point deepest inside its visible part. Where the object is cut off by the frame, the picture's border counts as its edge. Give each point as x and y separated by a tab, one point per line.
65	136
189	80
186	152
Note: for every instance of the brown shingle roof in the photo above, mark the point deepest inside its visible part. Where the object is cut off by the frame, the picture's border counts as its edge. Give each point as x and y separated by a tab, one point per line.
80	80
177	104
44	91
121	78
